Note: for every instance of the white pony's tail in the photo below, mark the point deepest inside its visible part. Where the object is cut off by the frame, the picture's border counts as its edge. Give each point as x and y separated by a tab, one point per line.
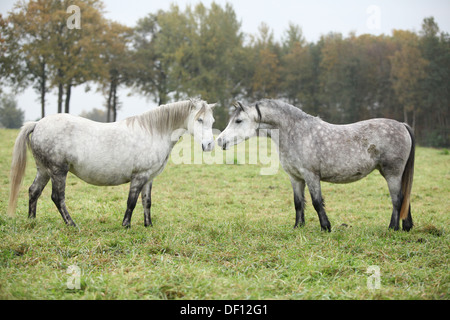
18	165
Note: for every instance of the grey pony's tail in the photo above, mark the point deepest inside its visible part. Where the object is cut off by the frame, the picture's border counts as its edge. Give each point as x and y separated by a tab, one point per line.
18	165
407	178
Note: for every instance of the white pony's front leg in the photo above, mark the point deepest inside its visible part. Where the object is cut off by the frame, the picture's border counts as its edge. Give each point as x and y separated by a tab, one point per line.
147	202
136	185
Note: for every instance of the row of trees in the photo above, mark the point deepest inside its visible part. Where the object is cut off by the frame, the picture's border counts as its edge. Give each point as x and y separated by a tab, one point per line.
200	51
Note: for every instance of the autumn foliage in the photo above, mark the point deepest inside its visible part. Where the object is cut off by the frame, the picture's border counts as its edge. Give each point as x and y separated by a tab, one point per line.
175	54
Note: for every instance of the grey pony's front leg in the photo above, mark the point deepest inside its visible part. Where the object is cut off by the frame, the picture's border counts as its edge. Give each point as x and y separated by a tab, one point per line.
298	187
136	185
147	203
318	202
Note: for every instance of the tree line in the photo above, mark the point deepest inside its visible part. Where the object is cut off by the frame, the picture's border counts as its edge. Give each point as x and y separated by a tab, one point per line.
201	51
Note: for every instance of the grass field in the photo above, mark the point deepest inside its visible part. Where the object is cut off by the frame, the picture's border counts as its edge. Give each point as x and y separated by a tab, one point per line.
226	232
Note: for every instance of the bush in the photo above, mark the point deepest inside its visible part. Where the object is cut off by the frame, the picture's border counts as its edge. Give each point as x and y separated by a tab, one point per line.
10	116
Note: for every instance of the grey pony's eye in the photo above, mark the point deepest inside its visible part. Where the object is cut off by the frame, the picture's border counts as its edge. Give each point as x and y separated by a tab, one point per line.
238	121
200	120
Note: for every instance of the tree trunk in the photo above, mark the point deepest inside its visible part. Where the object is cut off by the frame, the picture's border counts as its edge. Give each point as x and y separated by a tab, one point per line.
43	89
115	102
108	104
60	97
60	90
405	115
68	92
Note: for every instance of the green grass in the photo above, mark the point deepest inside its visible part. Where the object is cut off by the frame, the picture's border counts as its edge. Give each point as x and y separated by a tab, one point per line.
226	232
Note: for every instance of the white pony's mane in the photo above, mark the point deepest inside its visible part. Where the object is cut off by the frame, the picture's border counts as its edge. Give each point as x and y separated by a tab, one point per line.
166	117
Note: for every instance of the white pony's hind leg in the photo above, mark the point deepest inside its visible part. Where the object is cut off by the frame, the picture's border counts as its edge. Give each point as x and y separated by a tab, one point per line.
35	191
59	197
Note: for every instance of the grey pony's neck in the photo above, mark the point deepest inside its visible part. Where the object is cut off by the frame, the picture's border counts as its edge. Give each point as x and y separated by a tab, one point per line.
280	115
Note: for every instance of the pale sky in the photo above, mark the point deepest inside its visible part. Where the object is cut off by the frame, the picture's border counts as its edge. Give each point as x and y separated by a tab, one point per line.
315	17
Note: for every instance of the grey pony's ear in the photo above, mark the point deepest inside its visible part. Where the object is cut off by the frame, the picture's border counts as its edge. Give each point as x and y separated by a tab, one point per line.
212	105
239	105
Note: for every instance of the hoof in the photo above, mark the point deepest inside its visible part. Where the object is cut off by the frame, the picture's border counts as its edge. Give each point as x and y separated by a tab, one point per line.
126	224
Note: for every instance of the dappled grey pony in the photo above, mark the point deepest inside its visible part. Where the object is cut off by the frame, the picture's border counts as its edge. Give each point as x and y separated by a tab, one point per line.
133	150
312	150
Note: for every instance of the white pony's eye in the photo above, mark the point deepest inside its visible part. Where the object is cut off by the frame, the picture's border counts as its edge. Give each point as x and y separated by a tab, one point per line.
200	120
238	121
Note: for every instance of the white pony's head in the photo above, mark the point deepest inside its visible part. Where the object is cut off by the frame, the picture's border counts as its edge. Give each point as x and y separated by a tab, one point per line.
200	124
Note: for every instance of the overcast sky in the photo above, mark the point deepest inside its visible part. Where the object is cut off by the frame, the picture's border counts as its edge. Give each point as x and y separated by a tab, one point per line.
315	17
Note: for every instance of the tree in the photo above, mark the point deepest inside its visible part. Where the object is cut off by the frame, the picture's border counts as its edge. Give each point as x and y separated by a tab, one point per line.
435	48
215	47
298	69
28	42
266	64
75	53
407	81
191	53
116	59
54	55
158	43
10	116
95	115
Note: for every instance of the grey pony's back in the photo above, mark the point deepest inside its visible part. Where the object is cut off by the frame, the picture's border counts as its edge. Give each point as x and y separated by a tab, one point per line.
18	164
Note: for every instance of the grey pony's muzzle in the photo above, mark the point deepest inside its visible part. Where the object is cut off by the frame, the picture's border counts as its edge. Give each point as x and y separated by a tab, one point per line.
221	143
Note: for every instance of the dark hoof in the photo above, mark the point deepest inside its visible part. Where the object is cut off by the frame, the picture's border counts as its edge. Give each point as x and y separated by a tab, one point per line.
126	224
299	225
407	225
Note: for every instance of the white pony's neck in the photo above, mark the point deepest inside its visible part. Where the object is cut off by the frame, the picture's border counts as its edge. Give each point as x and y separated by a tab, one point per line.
164	119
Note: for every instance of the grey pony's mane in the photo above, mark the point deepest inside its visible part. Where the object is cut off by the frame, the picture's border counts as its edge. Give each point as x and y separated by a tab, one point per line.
164	118
287	108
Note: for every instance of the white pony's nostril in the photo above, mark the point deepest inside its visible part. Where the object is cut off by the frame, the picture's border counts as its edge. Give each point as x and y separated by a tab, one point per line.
208	146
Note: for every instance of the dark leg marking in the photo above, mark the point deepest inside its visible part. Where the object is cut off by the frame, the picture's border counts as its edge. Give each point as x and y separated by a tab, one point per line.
58	196
299	202
407	224
319	205
147	203
35	192
136	186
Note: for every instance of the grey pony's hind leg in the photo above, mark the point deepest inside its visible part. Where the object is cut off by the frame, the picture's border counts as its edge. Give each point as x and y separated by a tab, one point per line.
298	187
147	203
395	190
35	191
59	197
407	224
136	186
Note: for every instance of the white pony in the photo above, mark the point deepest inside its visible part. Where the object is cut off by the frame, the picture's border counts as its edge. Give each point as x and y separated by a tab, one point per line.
133	150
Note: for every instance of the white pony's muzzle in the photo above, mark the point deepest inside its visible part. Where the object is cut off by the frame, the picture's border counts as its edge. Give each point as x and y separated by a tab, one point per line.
208	146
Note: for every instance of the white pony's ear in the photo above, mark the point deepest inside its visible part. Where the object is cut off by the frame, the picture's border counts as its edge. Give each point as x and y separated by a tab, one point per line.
196	102
212	105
